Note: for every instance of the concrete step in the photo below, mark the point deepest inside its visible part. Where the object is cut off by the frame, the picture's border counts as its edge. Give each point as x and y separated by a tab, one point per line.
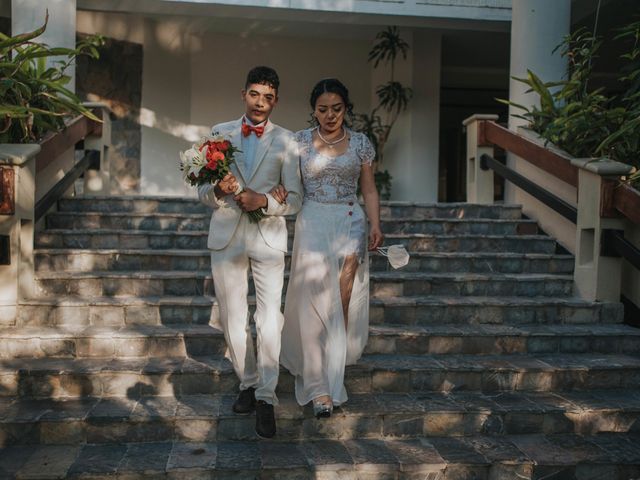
416	310
612	456
383	416
82	260
382	284
199	340
159	240
132	378
154	204
200	222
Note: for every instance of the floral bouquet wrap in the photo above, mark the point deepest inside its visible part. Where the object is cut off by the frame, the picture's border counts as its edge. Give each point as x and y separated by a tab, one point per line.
209	162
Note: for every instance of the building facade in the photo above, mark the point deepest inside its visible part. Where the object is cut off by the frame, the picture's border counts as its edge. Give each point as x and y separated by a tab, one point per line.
172	69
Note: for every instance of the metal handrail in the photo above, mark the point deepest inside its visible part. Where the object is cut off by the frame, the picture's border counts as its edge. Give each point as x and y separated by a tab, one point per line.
90	160
556	203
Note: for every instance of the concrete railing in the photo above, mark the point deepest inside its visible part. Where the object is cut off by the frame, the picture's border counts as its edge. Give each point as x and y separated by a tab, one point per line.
32	177
582	202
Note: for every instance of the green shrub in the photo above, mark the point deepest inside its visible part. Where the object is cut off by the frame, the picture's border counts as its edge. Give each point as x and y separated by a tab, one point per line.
585	122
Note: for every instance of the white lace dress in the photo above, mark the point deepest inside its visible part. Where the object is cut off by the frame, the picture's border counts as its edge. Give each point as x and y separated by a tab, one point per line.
330	226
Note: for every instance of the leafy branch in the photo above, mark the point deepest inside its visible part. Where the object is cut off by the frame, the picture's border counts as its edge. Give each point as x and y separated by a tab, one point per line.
588	122
34	97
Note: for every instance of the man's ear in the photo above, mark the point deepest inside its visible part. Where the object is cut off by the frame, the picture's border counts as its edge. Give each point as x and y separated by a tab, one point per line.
243	92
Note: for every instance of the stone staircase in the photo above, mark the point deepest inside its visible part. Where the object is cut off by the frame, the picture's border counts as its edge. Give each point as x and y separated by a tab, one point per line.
480	364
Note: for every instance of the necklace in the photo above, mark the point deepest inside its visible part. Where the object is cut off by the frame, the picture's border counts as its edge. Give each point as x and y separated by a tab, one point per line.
331	143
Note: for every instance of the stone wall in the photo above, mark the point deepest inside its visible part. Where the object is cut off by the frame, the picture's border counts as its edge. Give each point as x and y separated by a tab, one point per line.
116	80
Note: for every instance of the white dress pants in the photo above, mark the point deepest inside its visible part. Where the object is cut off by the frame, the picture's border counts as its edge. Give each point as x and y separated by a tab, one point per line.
230	269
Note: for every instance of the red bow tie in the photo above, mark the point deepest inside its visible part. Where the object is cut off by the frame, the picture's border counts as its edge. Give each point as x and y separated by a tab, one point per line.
247	129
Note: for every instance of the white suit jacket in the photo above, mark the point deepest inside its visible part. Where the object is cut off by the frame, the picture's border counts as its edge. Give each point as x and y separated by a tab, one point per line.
276	161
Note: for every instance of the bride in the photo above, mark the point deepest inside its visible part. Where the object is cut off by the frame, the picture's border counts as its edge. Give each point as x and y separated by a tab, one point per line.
327	303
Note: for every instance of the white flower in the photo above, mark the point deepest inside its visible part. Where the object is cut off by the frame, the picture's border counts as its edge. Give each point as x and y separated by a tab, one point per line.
191	161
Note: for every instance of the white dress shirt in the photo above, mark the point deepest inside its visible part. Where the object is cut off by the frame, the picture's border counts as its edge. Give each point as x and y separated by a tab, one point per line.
249	147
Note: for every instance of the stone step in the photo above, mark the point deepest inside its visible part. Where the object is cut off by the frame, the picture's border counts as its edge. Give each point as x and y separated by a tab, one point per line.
132	378
384	416
154	204
610	456
82	260
417	310
200	340
200	222
159	240
382	284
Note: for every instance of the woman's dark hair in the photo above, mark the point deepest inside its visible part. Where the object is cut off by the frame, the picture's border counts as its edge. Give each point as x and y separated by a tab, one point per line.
332	85
263	76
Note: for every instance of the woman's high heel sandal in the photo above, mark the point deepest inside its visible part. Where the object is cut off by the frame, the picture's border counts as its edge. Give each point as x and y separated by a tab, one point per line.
322	409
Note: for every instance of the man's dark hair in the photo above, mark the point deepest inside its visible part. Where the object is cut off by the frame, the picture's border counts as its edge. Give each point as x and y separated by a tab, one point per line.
264	76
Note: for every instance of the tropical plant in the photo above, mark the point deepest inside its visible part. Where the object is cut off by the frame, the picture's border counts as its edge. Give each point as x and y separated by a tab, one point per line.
393	99
584	121
33	93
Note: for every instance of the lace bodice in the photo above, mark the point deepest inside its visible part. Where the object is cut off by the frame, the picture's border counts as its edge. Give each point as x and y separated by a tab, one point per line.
329	179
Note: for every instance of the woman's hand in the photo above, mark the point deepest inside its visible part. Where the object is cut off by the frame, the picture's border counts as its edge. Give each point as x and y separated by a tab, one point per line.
279	193
375	238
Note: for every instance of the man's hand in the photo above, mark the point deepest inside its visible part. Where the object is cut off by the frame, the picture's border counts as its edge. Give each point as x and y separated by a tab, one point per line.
280	194
228	185
250	200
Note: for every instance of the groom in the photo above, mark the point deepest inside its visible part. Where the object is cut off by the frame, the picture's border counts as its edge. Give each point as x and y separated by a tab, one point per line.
268	157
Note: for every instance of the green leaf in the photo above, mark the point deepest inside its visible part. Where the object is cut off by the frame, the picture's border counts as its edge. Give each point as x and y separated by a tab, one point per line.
9	42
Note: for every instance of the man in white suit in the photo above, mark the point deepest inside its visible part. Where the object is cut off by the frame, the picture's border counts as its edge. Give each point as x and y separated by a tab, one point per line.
268	158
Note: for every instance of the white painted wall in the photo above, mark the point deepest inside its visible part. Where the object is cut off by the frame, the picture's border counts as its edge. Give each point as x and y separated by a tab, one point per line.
166	108
192	81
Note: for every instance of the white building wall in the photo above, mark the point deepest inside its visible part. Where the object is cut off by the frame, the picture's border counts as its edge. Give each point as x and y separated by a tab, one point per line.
192	81
165	116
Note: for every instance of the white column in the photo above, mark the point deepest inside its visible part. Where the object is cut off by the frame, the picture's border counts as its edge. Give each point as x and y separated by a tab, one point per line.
28	15
411	155
537	28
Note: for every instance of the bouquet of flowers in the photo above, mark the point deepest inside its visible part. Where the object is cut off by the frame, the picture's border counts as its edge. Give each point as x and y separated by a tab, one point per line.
209	162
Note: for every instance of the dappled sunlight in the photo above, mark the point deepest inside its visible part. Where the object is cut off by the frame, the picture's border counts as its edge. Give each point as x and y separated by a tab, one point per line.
117	26
177	129
171	36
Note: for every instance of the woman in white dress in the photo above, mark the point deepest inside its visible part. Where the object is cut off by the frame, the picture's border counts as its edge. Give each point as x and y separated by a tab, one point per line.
327	303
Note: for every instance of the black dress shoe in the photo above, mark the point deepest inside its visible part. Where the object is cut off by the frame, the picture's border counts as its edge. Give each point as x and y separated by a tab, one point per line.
246	401
265	419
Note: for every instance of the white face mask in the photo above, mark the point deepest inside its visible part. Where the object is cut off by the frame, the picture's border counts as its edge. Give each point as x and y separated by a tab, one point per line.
396	254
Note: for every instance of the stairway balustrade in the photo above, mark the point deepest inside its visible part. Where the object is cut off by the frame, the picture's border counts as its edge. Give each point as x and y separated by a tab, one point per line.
33	177
603	207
